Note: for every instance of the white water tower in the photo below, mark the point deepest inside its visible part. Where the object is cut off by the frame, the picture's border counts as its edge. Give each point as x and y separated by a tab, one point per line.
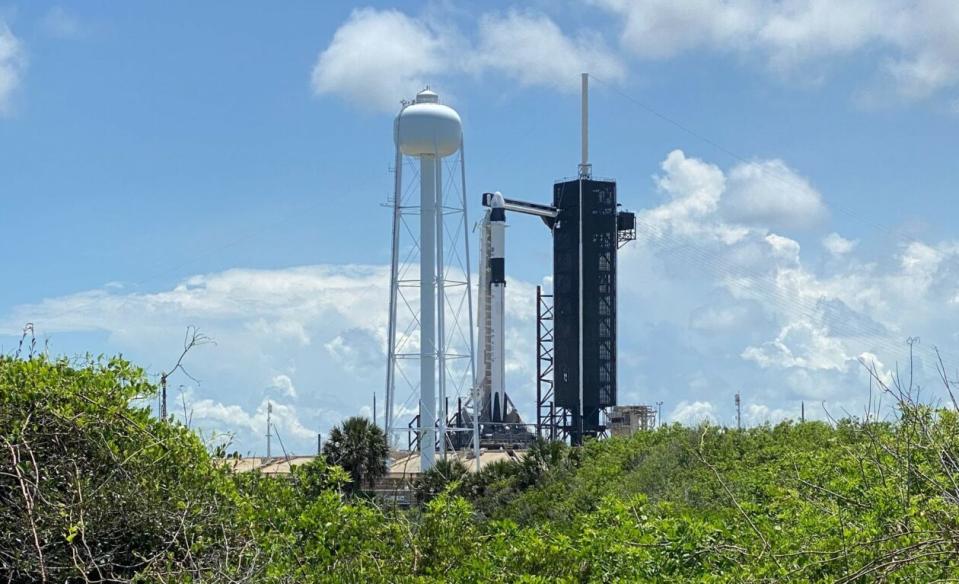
430	320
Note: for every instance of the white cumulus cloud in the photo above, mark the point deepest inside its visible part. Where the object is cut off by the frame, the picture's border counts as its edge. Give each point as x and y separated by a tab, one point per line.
12	63
800	344
532	49
913	43
711	305
359	350
692	413
379	57
770	194
838	245
284	384
757	414
662	28
233	419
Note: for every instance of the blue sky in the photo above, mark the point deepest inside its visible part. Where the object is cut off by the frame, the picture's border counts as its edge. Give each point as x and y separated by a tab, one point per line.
793	163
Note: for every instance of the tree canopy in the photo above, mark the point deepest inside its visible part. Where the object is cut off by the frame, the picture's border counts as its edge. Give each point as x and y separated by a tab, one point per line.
94	488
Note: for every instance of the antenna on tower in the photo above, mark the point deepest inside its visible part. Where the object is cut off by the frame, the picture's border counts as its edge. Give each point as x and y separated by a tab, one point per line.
269	426
739	413
163	410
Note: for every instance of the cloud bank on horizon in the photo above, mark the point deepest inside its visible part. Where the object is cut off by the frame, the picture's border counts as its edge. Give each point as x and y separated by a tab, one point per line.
711	303
377	55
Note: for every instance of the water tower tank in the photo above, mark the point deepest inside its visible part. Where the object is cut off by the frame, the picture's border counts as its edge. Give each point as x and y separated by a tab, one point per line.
428	128
428	131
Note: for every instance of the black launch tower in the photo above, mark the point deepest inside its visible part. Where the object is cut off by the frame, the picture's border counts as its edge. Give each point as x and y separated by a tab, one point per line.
586	234
576	325
584	300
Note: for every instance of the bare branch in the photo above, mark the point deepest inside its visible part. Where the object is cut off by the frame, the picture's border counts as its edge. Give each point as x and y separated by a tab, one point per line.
192	338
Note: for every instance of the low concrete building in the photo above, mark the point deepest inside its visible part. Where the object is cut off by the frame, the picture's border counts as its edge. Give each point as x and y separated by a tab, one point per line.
275	465
627	420
402	464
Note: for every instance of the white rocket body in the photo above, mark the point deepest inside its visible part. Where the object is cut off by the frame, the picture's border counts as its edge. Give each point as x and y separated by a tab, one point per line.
497	279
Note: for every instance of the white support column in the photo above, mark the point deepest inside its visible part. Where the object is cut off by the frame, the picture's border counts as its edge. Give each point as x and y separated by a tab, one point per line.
440	310
585	172
427	432
582	414
585	168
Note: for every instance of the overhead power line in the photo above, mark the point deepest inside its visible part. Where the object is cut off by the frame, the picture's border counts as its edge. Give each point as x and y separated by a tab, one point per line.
855	215
894	347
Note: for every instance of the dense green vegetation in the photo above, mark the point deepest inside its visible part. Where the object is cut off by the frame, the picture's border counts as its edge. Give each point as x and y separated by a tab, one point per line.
92	488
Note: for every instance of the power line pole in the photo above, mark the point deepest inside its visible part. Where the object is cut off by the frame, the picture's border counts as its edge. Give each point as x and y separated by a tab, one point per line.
269	422
802	412
739	413
163	396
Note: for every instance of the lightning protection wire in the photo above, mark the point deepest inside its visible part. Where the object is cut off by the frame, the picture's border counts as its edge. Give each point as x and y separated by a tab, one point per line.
766	172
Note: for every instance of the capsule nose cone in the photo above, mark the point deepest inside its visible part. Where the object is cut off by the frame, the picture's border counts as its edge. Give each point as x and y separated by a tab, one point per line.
496	201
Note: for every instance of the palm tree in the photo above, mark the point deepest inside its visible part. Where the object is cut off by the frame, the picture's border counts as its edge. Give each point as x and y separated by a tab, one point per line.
359	446
435	480
544	457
